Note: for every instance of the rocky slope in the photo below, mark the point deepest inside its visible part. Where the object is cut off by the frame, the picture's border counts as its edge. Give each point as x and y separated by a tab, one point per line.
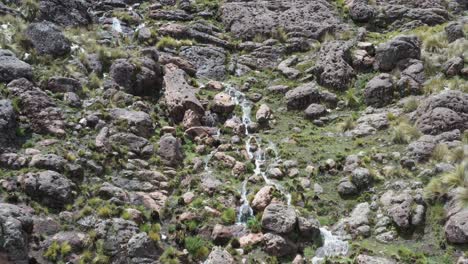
235	131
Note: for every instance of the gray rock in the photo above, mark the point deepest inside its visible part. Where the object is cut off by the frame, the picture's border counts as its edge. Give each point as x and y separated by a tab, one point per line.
361	11
48	187
332	68
301	97
7	124
179	94
309	228
144	79
453	66
12	161
132	142
412	78
48	162
63	85
456	228
16	226
116	233
170	150
12	68
277	245
315	111
454	31
209	60
219	256
41	110
141	249
264	114
309	18
279	218
223	104
138	122
47	39
390	53
361	178
65	13
77	240
346	188
379	90
443	112
366	259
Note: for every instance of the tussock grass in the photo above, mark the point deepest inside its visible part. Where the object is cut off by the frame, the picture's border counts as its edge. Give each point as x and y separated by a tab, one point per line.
457	180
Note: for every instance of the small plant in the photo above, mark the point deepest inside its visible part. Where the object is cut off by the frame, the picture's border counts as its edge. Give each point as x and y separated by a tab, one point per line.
56	251
440	152
170	256
347	124
153	231
438	188
197	247
280	34
30	9
404	133
254	225
171	43
410	105
228	216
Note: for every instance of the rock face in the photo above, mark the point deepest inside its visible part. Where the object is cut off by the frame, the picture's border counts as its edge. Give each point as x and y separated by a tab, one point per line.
47	39
180	95
390	53
332	68
248	19
443	112
210	61
12	68
16	226
144	79
279	218
7	124
38	107
456	228
170	150
65	13
379	90
48	187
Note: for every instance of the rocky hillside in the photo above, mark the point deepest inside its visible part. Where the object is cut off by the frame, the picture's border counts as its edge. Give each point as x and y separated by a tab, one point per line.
233	131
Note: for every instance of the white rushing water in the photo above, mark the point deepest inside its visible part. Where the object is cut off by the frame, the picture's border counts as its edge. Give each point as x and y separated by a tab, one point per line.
116	26
260	156
332	246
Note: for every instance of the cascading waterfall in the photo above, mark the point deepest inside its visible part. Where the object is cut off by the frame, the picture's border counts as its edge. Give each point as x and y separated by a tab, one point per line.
332	246
116	26
259	156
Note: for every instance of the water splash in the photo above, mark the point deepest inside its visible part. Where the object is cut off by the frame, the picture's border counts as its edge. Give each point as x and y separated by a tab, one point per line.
333	246
116	25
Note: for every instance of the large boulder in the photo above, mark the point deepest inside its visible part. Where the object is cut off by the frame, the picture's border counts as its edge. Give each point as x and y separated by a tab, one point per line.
249	19
43	113
279	218
332	68
133	143
301	97
456	228
116	233
209	60
58	84
223	104
48	187
315	111
47	39
16	226
180	95
143	78
138	122
277	245
389	54
48	162
379	90
65	13
263	198
443	112
360	11
141	249
7	124
12	68
412	78
170	150
454	31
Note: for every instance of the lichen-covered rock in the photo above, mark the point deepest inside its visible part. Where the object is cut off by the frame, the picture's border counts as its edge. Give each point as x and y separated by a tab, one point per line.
219	256
7	124
170	150
47	39
453	66
210	61
389	54
65	13
454	31
16	226
443	112
315	111
279	218
412	78
302	96
179	94
333	69
48	187
379	90
277	245
138	122
248	19
456	228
